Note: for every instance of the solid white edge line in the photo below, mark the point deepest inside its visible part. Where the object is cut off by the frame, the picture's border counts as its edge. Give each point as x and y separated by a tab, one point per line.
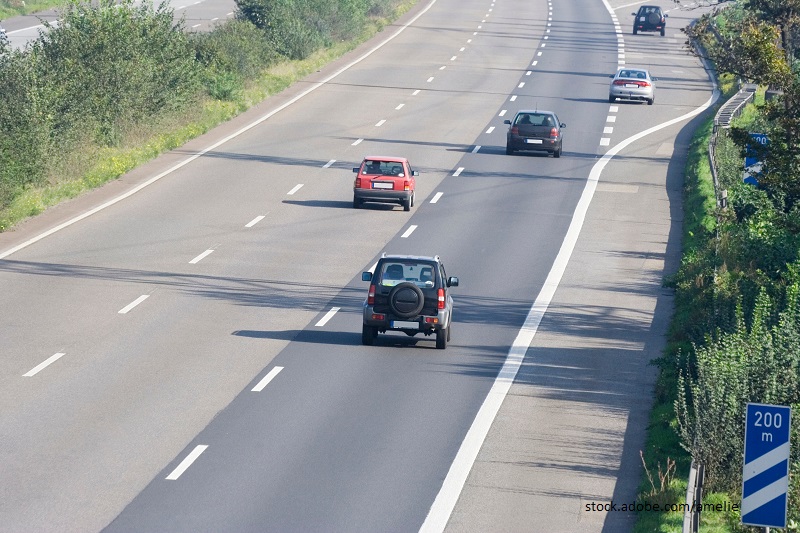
408	232
187	462
266	379
219	143
436	197
41	366
255	221
443	505
328	316
133	304
200	257
295	189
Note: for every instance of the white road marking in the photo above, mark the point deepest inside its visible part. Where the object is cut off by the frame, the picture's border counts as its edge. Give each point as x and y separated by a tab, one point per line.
41	366
469	41
231	13
513	97
415	93
196	26
528	73
329	163
453	58
604	141
475	150
295	189
534	63
608	129
475	33
611	118
458	171
187	462
448	495
462	49
503	113
490	130
408	232
215	19
621	56
546	37
266	379
380	123
544	44
442	67
328	316
538	54
255	221
399	107
200	257
357	142
521	85
436	197
430	79
222	141
621	62
613	108
133	304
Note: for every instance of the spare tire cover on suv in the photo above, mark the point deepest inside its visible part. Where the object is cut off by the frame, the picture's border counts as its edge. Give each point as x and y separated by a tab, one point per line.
406	300
654	18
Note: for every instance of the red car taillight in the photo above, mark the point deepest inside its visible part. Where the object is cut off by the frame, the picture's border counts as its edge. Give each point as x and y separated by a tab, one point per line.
371	295
515	131
407	185
441	299
357	183
553	133
619	82
643	84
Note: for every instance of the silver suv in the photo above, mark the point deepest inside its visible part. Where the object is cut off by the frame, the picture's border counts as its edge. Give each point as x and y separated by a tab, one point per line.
411	294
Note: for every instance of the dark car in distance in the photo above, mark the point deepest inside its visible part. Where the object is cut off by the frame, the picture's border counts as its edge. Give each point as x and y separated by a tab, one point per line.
410	294
534	130
650	18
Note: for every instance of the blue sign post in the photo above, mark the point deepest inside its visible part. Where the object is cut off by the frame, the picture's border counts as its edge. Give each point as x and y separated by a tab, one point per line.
765	476
752	163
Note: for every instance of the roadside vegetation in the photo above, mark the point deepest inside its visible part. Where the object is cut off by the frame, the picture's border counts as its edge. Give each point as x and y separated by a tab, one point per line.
735	336
114	85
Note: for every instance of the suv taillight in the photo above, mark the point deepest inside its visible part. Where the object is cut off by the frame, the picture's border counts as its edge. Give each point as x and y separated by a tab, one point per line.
553	133
440	304
371	295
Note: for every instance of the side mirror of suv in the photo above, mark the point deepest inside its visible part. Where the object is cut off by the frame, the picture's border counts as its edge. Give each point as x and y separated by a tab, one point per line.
634	14
452	281
366	276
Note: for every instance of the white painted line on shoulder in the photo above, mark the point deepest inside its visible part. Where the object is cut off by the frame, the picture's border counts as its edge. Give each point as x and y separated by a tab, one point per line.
549	24
442	507
329	163
458	171
538	54
357	142
547	30
229	14
613	108
436	197
611	118
621	62
521	85
224	140
196	26
474	33
380	123
187	462
399	107
621	56
415	93
544	44
503	113
608	129
442	67
490	130
200	257
454	57
469	41
546	37
605	141
475	150
295	189
266	379
41	366
480	27
133	304
408	232
462	49
528	73
430	79
328	316
255	221
534	63
513	97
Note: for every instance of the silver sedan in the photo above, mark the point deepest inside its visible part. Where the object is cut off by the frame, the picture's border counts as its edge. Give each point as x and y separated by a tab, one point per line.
632	84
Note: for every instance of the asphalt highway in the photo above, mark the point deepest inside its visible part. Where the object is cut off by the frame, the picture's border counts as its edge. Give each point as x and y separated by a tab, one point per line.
189	358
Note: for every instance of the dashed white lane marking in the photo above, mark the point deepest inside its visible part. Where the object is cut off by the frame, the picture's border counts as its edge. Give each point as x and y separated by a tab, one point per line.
222	141
442	67
436	197
133	304
454	57
546	37
266	379
538	54
544	44
458	171
528	73
430	79
469	41
201	257
357	142
41	366
415	93
513	97
215	19
380	123
475	33
613	108
605	141
408	232
490	130
611	118
502	113
534	63
608	129
196	26
475	150
442	507
295	189
399	107
328	316
329	163
521	85
187	462
255	221
462	49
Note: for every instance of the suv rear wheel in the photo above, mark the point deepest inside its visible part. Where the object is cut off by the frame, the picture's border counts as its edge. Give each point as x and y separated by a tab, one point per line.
442	336
368	334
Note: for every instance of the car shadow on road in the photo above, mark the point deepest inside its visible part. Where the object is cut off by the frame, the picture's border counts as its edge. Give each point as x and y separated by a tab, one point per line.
341	338
334	204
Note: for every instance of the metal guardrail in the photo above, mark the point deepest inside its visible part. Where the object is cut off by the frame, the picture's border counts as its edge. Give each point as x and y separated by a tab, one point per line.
694	497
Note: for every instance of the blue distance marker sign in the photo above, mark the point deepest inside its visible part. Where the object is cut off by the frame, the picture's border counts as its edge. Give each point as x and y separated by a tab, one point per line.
765	476
752	163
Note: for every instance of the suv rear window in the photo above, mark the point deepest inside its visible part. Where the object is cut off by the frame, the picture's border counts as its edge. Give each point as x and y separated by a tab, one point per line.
395	272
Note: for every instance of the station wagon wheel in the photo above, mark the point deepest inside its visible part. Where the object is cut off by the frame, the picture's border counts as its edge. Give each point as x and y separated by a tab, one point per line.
406	300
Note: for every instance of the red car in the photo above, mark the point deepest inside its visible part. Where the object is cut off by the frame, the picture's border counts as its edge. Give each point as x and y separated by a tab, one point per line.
385	179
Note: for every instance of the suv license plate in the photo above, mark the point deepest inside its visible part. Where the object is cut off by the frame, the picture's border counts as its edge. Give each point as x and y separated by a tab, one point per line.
382	185
405	324
533	141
